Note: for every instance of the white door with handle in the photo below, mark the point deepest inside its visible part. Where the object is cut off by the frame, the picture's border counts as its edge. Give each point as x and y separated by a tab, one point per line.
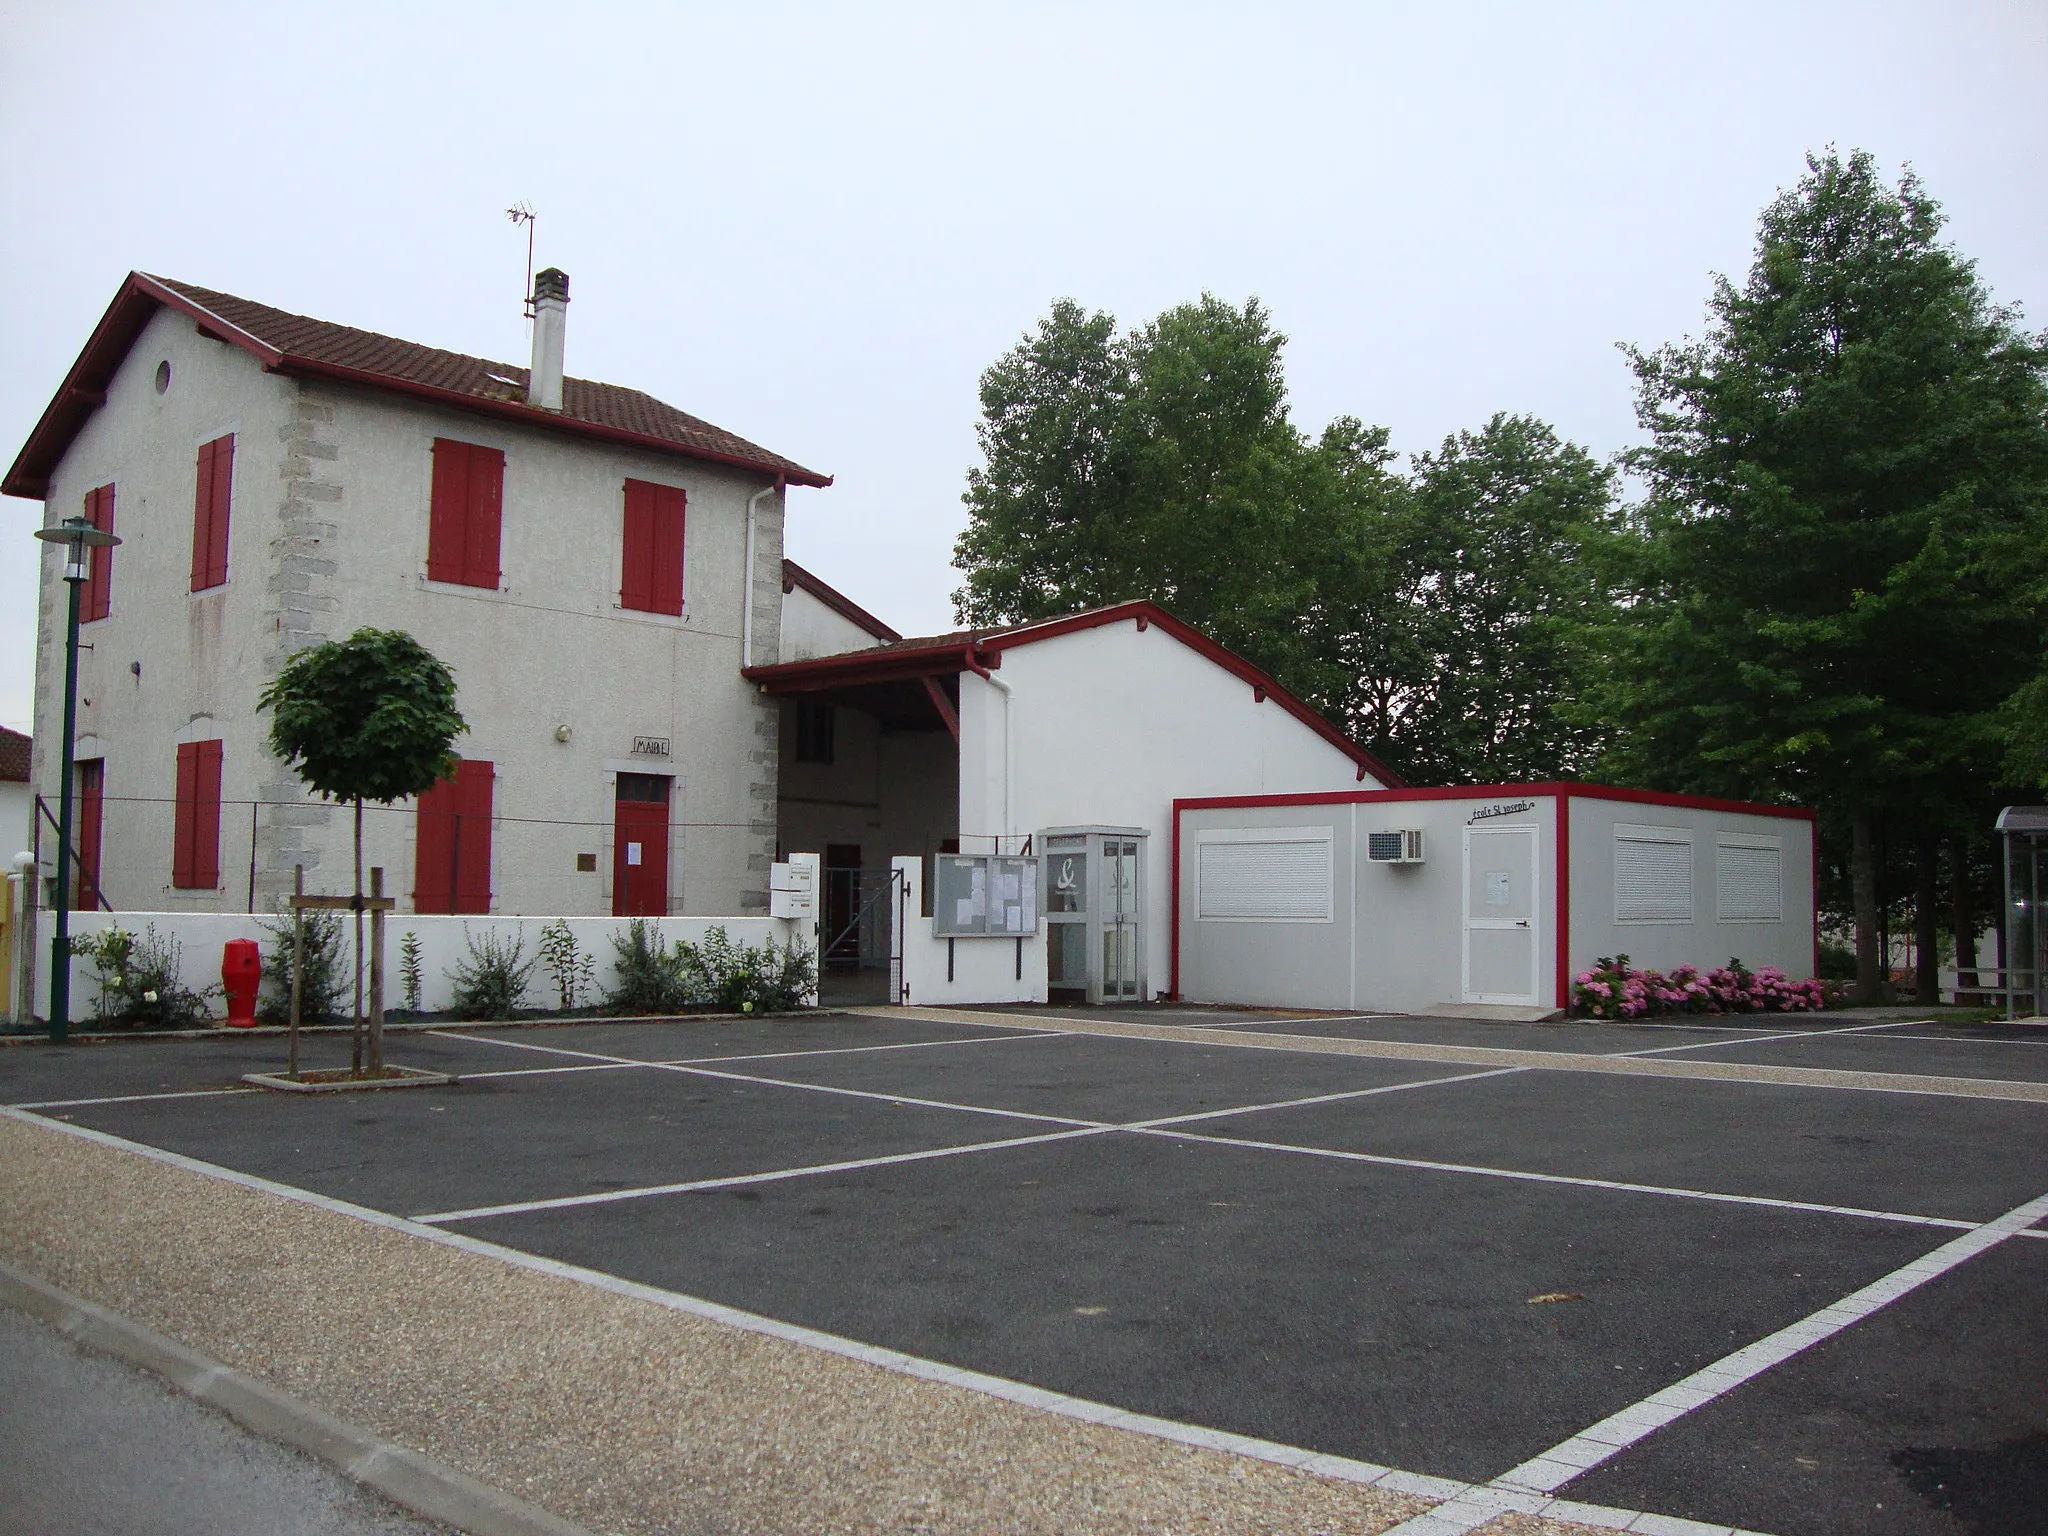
1501	915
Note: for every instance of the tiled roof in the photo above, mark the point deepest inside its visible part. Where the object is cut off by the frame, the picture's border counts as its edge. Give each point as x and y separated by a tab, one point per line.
300	345
13	755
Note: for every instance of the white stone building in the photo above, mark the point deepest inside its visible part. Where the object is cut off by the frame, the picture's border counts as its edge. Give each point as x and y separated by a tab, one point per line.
596	567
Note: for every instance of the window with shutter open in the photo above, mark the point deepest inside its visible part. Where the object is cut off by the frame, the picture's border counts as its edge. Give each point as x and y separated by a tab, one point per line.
95	595
1264	874
1652	875
651	571
1748	878
195	851
464	520
215	481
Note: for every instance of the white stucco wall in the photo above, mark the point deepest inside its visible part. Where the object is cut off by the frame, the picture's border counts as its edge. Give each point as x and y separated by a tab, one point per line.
985	970
1706	941
1111	725
811	628
444	942
329	530
17	821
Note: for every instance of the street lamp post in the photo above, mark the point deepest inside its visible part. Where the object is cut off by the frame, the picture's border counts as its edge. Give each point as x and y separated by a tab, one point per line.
78	536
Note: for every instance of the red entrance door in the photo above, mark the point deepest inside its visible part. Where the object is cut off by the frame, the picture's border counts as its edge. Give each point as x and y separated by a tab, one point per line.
85	834
640	846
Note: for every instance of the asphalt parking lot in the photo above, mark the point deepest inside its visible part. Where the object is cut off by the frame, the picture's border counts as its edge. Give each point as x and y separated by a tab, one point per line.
1450	1267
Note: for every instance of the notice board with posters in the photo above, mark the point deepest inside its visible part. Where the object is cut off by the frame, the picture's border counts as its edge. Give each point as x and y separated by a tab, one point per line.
984	896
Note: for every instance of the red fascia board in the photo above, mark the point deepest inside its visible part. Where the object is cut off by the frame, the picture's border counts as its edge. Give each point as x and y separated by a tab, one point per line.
1561	856
856	667
795	575
1487	791
1147	612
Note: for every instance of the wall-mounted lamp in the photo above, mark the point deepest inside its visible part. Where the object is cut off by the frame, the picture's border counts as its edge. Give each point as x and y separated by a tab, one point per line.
562	733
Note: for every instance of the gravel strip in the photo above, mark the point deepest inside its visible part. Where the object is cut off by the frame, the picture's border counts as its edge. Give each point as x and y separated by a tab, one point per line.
614	1412
1503	1056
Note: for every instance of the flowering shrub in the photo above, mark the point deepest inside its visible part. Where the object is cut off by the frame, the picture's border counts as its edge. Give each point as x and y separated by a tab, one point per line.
1614	989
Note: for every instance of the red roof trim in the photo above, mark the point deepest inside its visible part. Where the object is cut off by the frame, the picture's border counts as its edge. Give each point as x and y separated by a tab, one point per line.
884	664
794	575
910	659
138	298
1488	791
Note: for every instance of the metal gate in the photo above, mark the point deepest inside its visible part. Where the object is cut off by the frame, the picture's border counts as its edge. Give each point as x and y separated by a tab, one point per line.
855	937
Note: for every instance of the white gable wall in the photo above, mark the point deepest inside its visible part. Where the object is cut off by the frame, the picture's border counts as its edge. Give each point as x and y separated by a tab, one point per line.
1111	725
812	628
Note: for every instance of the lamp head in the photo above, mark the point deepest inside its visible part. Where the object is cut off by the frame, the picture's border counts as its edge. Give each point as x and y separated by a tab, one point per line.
80	535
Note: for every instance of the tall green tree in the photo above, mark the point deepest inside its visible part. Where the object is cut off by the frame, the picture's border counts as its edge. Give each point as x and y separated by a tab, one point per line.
1512	538
372	717
1161	464
1836	470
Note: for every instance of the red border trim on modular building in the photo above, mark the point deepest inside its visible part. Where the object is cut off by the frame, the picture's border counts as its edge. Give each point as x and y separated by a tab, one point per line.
1563	792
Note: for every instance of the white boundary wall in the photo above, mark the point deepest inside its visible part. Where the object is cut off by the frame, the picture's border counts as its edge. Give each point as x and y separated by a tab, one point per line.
442	945
984	970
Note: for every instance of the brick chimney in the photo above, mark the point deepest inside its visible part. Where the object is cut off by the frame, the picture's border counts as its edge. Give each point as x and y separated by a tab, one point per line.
550	320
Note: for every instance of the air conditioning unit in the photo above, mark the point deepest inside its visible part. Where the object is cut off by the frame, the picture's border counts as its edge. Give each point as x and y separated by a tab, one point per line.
1402	846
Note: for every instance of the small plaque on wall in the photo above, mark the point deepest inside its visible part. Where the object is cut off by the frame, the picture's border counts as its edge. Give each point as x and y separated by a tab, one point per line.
650	746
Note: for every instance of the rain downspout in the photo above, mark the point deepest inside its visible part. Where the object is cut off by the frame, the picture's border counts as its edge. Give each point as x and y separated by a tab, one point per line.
1009	752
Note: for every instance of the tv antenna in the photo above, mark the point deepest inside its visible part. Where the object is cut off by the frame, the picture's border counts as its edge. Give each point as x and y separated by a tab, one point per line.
521	213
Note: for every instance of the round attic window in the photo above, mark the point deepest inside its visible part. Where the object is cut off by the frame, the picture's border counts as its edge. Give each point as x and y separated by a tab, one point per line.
163	376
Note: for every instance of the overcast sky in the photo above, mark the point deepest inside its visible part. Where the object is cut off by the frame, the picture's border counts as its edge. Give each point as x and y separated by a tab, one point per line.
815	226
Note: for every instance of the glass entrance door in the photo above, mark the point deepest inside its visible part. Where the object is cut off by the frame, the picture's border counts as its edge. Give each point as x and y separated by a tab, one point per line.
1122	981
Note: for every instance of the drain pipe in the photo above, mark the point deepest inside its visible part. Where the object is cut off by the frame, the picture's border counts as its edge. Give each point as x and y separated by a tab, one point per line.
747	597
1009	741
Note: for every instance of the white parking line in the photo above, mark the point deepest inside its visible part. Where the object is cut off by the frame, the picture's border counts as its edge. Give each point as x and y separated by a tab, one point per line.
735	1181
1668	1191
1546	1473
1729	1045
136	1098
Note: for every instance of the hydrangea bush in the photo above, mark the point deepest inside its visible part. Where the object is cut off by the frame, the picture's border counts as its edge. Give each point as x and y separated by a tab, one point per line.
1614	989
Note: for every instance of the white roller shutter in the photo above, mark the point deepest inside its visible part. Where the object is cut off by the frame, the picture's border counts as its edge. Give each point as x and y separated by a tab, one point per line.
1652	875
1264	874
1748	879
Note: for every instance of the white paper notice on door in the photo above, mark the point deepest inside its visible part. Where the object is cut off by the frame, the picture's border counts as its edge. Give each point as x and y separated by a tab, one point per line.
632	855
1498	888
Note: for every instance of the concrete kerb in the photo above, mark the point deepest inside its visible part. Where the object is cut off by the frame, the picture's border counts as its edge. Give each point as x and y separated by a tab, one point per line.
405	1477
1496	1056
405	1027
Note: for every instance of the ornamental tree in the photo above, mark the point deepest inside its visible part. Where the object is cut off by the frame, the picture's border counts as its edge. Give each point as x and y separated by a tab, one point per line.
371	717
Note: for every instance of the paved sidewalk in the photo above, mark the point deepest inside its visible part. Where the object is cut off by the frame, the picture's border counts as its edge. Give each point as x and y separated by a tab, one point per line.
93	1445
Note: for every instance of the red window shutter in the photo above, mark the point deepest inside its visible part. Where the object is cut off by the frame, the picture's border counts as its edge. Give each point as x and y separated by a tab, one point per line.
195	850
433	880
464	518
95	599
206	818
636	572
92	779
486	509
652	578
474	782
447	518
210	500
452	842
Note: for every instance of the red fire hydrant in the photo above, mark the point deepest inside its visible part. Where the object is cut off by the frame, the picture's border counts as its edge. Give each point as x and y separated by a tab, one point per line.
241	972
